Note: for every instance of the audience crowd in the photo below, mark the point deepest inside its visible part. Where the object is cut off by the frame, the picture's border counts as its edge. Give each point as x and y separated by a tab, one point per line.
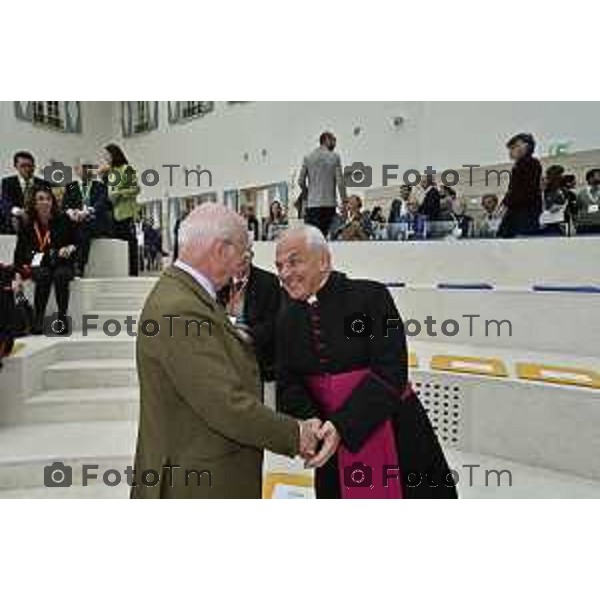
536	203
54	226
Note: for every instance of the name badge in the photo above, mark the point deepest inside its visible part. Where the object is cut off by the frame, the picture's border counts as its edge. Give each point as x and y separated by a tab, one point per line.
37	259
593	208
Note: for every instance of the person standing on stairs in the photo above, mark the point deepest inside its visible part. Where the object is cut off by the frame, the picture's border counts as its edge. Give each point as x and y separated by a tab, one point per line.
123	191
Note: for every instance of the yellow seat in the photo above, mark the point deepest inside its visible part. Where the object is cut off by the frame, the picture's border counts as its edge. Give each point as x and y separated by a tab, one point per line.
413	361
473	365
272	480
559	375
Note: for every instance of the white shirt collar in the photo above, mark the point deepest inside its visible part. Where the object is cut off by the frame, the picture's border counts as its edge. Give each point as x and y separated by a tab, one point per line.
23	181
313	297
200	278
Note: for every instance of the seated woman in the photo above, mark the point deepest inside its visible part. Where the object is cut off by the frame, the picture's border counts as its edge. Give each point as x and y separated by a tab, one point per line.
560	203
588	204
488	223
46	252
379	224
358	225
276	222
463	222
409	225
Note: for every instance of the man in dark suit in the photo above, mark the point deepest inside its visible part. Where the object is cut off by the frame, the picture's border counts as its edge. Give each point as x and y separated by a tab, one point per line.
252	300
430	206
16	191
87	204
523	201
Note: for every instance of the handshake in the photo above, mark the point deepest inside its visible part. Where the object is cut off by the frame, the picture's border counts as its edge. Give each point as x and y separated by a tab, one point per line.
318	442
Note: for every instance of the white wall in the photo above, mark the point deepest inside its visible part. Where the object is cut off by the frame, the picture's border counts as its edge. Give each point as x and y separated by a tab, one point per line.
441	134
47	145
457	133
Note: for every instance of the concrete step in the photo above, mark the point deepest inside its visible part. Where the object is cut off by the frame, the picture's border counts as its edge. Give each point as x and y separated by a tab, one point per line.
133	285
26	450
120	301
81	405
100	347
90	373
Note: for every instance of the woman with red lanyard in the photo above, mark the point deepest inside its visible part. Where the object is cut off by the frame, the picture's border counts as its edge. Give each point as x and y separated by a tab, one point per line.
45	252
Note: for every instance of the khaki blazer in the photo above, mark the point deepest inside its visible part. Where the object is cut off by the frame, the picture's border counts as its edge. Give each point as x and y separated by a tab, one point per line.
203	426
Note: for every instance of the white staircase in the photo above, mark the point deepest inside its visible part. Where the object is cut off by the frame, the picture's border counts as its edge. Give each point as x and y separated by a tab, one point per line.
85	404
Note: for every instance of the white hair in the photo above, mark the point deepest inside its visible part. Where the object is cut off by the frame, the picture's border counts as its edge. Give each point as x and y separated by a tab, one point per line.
209	222
312	235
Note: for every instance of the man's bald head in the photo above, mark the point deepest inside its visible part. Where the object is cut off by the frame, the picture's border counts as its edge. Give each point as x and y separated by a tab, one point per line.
303	261
213	240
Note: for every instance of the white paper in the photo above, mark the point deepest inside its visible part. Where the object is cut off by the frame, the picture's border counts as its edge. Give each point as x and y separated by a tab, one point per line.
37	259
292	492
550	218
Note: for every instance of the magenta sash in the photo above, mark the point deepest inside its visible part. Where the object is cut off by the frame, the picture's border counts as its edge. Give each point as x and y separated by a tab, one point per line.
331	392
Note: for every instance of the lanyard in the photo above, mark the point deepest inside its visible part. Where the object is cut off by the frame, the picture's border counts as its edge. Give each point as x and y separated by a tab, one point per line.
85	192
44	242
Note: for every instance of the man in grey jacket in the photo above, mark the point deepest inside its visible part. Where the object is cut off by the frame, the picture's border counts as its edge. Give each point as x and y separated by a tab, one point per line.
323	170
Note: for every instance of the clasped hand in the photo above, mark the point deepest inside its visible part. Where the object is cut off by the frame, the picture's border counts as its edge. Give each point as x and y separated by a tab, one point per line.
318	442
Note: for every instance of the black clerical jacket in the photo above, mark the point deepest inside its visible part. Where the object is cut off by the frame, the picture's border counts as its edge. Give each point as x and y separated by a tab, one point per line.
342	304
523	200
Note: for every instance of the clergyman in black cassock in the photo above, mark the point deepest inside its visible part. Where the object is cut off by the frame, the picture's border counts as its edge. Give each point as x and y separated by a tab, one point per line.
315	338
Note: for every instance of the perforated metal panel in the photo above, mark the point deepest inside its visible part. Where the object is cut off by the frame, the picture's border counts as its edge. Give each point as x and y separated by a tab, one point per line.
442	398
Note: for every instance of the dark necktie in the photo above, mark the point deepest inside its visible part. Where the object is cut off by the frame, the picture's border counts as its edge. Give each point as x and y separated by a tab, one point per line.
27	191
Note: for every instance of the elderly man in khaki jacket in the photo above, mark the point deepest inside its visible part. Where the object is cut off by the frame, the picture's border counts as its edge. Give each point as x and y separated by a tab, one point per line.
203	427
